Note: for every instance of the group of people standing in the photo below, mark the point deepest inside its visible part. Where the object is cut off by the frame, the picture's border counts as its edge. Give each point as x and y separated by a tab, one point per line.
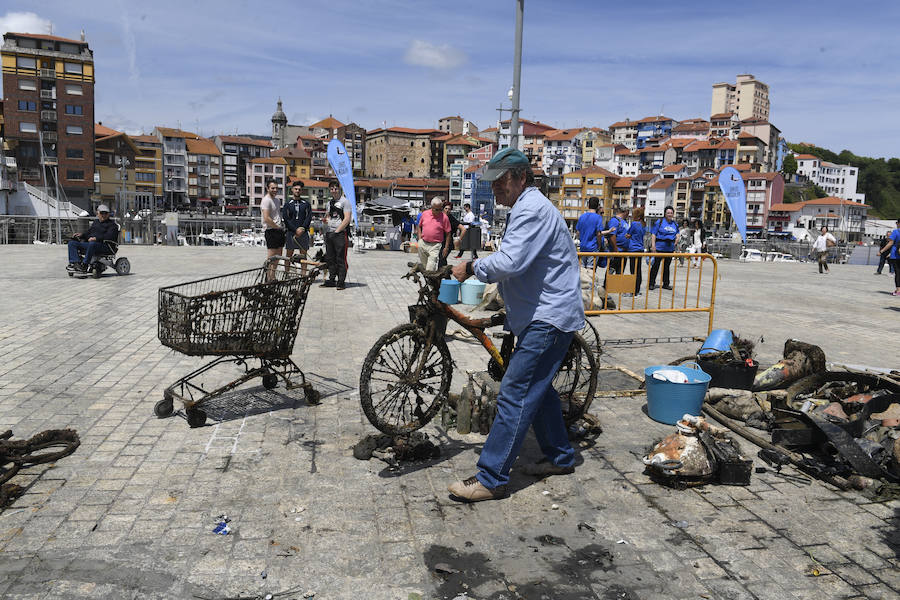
286	228
435	229
889	250
628	234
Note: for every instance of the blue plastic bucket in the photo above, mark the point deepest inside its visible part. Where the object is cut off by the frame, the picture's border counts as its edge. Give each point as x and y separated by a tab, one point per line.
471	291
667	402
718	341
449	293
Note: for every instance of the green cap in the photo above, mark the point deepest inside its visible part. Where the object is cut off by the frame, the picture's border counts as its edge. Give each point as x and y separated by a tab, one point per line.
503	161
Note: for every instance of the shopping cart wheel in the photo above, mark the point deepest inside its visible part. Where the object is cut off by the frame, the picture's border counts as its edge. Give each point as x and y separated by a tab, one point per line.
312	394
164	407
97	270
196	417
270	380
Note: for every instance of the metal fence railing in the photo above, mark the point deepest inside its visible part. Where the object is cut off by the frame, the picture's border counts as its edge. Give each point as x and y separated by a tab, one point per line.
691	289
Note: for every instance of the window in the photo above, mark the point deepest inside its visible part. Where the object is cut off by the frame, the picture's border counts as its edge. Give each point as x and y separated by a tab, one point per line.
74	153
145	177
27	105
72	174
74	89
74	68
25	62
27	127
74	129
68	48
74	109
257	168
28	85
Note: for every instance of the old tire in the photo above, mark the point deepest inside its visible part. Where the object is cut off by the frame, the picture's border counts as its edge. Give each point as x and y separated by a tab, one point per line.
312	395
123	266
196	417
269	380
164	408
396	400
576	380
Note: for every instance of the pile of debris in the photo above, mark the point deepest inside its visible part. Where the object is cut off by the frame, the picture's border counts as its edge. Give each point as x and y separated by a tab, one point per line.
841	426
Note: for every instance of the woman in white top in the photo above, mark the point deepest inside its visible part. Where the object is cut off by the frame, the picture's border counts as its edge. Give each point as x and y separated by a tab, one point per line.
821	246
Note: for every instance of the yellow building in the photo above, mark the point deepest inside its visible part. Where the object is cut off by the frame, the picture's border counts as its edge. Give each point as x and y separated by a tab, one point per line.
148	166
580	186
114	154
593	137
298	159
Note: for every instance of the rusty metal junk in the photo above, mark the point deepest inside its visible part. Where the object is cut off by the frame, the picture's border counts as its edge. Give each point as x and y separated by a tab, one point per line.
697	453
44	447
800	359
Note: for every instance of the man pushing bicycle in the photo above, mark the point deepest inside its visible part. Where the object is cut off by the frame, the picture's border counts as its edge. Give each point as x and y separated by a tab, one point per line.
537	272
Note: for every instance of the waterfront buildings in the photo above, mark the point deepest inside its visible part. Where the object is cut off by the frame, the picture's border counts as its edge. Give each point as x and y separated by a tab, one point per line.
48	112
204	159
836	180
259	172
237	151
404	152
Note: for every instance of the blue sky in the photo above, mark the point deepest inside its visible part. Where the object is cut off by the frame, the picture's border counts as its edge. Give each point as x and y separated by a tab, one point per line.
832	67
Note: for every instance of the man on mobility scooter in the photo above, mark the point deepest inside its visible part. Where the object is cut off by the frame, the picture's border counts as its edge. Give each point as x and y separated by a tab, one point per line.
99	240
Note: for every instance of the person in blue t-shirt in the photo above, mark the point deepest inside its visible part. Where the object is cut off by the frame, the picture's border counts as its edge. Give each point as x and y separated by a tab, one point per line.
662	239
618	230
635	238
588	230
893	246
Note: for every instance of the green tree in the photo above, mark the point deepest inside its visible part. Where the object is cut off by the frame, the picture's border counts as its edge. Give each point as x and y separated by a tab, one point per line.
789	165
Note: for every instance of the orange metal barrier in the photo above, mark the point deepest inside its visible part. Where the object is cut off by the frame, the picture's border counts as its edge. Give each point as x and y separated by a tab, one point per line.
619	284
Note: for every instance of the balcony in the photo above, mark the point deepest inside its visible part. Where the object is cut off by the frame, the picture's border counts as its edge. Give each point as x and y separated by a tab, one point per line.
48	74
48	94
48	115
50	137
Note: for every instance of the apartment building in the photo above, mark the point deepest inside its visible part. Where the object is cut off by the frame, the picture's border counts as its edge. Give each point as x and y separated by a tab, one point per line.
621	193
48	111
531	138
175	162
114	170
713	153
404	152
625	133
351	135
259	172
846	219
456	176
237	151
770	135
457	147
579	186
724	125
594	137
205	173
837	180
318	155
628	162
747	97
658	195
298	160
751	151
148	167
649	128
692	128
315	192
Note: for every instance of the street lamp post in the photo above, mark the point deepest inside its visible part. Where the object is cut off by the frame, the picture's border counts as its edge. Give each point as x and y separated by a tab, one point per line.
517	77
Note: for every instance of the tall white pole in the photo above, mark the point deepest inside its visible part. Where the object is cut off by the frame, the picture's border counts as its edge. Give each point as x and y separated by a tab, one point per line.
517	77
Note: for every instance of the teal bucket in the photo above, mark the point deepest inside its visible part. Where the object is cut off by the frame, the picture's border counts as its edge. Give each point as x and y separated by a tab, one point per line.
449	293
471	291
667	402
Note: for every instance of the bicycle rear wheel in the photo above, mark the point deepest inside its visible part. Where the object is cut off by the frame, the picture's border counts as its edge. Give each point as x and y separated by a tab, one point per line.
592	337
576	380
394	399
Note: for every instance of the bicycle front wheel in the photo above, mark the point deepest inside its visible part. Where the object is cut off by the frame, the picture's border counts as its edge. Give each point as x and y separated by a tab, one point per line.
404	380
576	380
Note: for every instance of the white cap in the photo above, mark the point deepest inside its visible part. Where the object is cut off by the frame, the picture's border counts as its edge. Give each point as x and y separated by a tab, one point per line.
103	208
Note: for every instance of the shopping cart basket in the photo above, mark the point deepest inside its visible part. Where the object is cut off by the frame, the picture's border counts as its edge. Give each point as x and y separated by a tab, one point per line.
249	318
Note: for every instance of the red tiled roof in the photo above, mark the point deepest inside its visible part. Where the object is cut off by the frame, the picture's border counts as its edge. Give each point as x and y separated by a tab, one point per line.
673	168
651	149
241	139
624	182
291	152
202	146
327	123
591	170
662	184
834	200
806	157
488	129
559	135
710	144
51	38
178	133
645	176
783	207
315	183
624	124
273	160
421	182
623	151
830	215
721	116
103	131
146	138
473	168
406	130
655	119
749	136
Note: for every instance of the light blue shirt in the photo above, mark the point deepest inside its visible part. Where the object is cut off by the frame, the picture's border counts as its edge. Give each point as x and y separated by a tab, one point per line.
536	267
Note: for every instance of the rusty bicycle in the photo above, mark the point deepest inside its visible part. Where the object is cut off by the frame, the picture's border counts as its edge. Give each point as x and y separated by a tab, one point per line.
405	378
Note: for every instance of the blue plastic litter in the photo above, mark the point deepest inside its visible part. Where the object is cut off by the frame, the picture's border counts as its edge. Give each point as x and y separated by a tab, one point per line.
719	340
449	293
222	528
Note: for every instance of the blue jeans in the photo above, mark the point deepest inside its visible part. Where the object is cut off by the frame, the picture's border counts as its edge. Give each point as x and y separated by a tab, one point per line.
89	248
527	399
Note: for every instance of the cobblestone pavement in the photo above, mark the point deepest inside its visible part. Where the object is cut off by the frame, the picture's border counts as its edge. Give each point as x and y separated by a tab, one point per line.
130	514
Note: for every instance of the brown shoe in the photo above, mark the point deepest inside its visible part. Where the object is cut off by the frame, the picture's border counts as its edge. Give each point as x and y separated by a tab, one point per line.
472	490
545	468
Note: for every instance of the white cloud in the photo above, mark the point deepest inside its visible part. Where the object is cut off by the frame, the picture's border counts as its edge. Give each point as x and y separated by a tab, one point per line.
130	44
423	54
24	22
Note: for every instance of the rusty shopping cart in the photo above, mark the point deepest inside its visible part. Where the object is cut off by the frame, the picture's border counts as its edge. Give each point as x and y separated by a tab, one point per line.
248	318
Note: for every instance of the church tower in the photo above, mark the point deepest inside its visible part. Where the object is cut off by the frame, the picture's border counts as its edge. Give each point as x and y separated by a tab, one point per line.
279	123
